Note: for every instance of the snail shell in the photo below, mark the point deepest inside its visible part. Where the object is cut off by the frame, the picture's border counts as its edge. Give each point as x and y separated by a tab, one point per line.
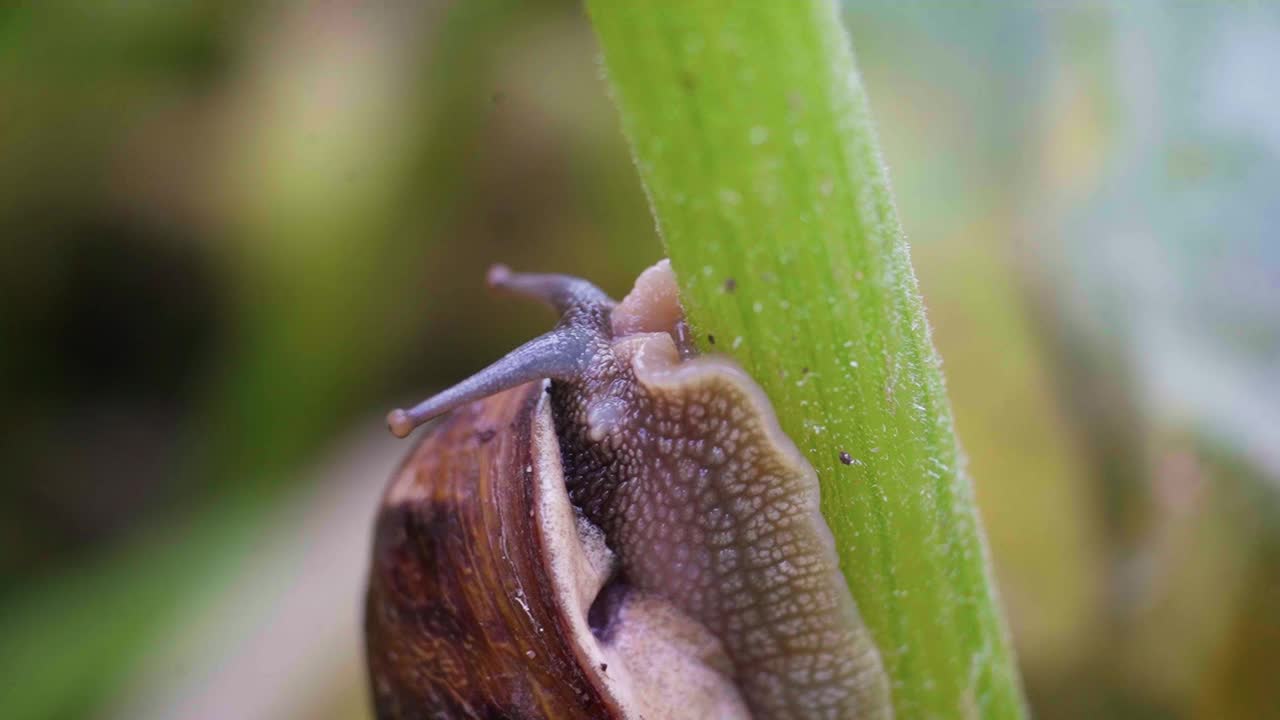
636	538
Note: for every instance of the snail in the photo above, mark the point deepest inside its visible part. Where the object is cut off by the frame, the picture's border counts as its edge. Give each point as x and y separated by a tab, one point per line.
606	524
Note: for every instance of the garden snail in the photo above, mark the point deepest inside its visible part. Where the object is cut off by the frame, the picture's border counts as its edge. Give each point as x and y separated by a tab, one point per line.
607	525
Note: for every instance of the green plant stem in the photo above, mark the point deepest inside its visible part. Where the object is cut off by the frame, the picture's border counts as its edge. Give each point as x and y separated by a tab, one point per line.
752	135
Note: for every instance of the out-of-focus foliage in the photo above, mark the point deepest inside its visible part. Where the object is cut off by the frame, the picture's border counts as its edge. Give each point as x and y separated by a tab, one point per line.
232	234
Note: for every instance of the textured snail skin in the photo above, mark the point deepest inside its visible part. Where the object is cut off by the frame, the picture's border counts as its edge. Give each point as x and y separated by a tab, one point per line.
709	505
707	509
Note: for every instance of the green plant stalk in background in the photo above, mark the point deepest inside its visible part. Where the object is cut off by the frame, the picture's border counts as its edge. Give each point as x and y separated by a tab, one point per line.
753	138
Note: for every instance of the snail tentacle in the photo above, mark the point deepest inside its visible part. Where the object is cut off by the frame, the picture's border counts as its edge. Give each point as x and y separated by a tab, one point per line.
579	301
564	353
561	354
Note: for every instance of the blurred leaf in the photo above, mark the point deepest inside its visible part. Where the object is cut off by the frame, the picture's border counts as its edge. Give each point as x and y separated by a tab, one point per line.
69	641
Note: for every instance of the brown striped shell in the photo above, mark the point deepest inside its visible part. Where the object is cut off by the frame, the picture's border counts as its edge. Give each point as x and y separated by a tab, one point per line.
636	538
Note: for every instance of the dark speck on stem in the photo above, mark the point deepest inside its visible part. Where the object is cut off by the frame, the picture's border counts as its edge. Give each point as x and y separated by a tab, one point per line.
730	285
711	339
846	458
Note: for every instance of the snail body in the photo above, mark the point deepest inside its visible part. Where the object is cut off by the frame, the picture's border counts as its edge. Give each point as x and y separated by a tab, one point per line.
634	538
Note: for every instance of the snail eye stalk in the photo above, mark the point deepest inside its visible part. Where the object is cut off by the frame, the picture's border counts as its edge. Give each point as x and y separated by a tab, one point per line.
562	354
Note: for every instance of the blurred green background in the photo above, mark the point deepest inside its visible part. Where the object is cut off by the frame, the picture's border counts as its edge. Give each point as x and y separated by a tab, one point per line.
232	234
